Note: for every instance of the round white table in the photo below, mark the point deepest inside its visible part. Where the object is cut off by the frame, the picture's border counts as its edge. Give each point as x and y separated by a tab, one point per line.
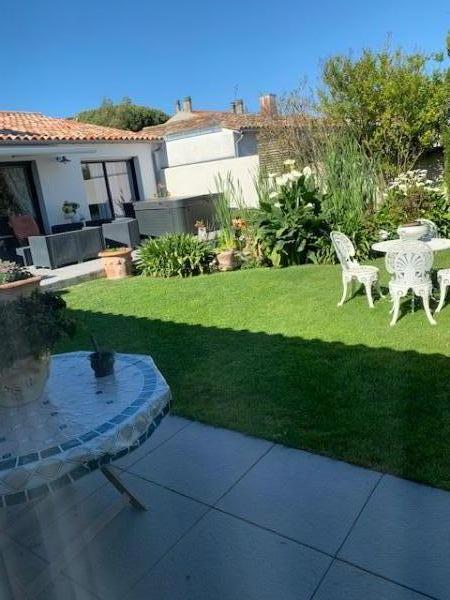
78	425
435	244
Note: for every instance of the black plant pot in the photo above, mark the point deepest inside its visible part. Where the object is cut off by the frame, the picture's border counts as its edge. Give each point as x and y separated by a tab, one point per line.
102	363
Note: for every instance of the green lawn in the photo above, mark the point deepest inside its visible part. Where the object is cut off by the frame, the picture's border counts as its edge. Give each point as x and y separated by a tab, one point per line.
268	352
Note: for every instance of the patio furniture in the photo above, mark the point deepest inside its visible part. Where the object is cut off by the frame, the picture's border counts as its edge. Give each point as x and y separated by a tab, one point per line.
59	249
122	232
23	227
79	425
435	245
410	263
351	269
174	214
63	227
433	231
443	276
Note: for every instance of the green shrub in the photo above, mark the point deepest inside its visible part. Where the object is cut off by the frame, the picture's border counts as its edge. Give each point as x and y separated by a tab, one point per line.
177	254
289	224
32	326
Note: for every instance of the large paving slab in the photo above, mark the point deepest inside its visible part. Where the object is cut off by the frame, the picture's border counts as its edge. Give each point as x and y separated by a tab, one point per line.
309	498
32	523
404	534
16	563
344	582
225	558
201	462
133	541
63	588
169	427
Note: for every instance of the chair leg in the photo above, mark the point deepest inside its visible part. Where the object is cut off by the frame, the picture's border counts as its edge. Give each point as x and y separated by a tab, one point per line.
368	287
378	286
426	305
344	293
442	294
395	309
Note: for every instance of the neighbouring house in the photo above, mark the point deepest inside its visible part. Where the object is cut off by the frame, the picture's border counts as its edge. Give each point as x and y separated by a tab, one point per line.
46	161
194	146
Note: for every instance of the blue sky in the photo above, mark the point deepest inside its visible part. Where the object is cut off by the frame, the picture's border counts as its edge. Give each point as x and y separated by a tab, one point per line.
62	57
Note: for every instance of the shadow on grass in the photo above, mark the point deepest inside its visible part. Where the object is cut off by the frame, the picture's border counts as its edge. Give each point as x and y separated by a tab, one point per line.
375	407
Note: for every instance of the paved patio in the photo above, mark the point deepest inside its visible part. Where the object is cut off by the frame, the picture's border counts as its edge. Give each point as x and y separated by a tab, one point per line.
57	279
233	517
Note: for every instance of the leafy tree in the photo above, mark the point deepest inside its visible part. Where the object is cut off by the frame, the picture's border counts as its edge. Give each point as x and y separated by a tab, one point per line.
394	102
123	115
446	139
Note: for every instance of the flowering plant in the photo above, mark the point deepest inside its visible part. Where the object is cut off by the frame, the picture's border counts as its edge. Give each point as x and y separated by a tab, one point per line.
412	196
290	220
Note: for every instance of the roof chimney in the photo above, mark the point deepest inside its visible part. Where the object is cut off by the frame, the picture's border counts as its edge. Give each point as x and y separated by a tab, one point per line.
268	105
187	104
239	107
177	106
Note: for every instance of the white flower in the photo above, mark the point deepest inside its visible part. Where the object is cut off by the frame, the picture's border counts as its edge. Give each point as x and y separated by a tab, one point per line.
277	204
309	205
273	195
295	174
272	175
289	162
307	171
383	234
282	179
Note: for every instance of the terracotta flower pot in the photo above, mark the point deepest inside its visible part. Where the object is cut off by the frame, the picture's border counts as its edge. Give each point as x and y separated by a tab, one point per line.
117	263
18	289
226	260
24	381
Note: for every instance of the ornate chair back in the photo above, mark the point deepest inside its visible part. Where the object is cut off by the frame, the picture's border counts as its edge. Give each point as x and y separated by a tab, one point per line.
344	249
410	263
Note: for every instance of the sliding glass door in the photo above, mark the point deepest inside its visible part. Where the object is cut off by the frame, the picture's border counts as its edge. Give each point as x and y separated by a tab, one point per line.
109	185
17	191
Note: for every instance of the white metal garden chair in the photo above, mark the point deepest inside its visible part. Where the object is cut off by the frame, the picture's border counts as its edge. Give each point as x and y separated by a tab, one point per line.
352	270
443	276
433	231
410	264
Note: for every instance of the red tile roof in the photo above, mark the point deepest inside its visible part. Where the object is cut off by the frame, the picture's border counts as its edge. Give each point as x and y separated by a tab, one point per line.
31	127
204	119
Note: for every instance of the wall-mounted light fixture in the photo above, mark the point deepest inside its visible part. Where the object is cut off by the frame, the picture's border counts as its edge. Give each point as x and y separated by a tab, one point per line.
63	159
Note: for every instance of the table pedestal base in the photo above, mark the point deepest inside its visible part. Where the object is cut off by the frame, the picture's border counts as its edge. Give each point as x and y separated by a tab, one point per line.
129	498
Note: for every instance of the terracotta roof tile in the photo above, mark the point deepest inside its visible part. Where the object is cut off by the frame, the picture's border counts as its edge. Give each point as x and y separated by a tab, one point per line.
205	119
31	127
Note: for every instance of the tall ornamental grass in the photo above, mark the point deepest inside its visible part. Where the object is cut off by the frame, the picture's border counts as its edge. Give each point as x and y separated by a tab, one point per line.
352	182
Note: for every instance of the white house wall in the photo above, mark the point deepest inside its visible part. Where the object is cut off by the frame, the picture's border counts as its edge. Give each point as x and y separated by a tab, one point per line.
57	182
196	148
199	178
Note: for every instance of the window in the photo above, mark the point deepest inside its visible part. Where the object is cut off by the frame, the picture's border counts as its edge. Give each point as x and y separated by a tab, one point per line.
17	191
109	185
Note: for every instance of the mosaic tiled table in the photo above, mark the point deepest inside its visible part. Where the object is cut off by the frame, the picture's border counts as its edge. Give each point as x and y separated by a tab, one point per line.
80	424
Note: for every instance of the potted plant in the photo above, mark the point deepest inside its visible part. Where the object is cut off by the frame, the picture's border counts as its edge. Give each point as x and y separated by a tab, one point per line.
15	281
102	361
30	327
202	232
69	210
412	231
117	262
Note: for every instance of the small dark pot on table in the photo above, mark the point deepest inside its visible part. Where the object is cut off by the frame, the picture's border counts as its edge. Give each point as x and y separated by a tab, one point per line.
102	363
